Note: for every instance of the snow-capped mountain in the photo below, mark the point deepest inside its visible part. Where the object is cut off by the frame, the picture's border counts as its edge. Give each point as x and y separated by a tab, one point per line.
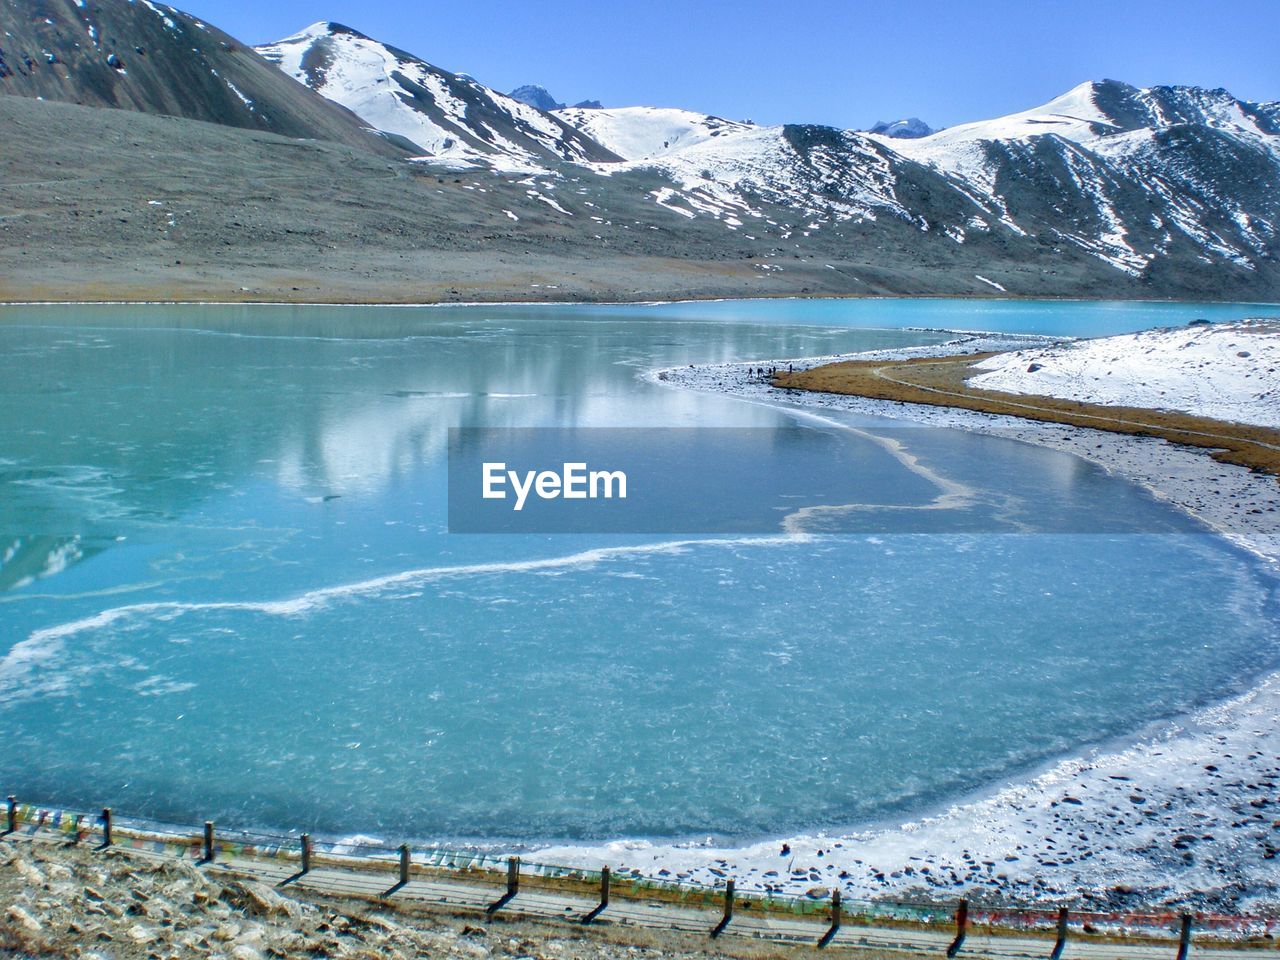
819	174
909	129
1129	175
446	116
535	96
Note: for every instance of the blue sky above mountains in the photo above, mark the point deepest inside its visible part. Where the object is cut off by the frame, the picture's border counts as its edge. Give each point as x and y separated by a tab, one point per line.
842	62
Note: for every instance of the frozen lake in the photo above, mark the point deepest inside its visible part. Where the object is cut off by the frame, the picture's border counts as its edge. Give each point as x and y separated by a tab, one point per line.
227	590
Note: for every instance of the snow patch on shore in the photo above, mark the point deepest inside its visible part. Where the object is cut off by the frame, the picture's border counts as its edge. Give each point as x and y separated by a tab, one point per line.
1228	371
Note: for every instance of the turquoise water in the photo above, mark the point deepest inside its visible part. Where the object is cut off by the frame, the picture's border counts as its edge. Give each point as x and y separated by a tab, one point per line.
1082	318
227	589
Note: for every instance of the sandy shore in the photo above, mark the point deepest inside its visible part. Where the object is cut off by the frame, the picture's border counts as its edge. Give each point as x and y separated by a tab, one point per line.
1187	812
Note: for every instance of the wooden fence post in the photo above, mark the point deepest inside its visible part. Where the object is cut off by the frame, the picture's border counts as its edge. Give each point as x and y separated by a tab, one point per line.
605	878
513	887
106	826
835	920
1061	943
513	876
12	815
306	853
404	864
728	909
1184	939
962	928
208	841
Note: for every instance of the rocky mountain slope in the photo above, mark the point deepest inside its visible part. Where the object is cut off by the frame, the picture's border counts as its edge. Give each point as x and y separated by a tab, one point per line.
119	205
532	95
448	117
540	97
145	56
1138	178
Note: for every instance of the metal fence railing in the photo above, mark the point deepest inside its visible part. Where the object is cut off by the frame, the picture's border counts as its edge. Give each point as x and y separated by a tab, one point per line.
370	869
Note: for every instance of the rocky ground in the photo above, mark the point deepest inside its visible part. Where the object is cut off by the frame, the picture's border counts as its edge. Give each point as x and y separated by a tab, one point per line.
62	901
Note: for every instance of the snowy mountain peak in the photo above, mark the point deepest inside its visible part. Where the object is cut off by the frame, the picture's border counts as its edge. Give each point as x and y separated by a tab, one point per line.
445	116
152	58
909	129
1075	116
323	28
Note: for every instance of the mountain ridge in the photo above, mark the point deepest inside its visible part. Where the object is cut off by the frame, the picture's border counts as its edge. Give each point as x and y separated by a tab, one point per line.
1108	190
1085	149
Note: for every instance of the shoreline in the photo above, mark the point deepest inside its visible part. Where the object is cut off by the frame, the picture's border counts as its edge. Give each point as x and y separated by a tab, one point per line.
1169	472
1214	767
693	299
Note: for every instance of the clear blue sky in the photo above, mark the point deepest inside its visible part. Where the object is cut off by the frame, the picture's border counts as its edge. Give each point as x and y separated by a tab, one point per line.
844	63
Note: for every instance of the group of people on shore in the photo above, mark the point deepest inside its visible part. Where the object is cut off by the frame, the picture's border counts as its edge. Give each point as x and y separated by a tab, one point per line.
766	373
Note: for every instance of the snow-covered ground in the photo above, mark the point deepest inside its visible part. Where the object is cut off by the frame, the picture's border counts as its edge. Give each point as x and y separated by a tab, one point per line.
638	133
1184	812
1227	371
959	150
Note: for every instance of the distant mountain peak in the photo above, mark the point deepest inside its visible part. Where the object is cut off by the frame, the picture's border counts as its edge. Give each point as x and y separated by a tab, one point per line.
537	97
909	129
540	98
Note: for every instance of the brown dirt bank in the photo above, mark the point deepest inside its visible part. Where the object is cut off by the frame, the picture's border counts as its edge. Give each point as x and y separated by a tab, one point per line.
943	382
